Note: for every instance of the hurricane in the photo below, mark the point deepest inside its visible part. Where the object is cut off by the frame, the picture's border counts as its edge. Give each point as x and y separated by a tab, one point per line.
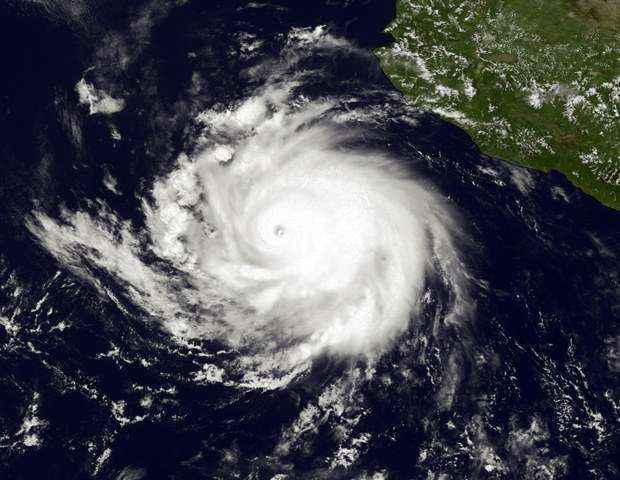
285	237
268	240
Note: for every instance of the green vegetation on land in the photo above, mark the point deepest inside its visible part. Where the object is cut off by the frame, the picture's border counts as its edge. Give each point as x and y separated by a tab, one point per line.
535	82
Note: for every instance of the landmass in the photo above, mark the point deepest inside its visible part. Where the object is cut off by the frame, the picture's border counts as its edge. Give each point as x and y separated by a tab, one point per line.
533	82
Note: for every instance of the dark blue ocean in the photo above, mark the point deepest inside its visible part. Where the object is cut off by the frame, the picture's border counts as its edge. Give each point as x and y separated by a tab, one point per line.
527	387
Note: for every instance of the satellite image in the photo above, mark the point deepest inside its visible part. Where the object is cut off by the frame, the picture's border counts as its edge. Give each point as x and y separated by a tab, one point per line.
309	239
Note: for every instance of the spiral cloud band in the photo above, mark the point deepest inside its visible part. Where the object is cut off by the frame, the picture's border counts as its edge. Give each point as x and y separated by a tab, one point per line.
287	241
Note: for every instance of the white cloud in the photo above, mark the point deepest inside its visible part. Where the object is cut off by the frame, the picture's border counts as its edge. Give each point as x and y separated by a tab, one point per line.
98	101
280	243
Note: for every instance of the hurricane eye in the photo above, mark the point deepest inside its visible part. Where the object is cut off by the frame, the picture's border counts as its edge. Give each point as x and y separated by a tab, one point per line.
279	231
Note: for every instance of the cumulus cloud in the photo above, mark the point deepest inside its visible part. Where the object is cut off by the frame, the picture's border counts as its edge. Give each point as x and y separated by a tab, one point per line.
97	100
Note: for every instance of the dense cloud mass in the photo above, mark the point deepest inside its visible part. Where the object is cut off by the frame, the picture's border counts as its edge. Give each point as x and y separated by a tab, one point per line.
286	240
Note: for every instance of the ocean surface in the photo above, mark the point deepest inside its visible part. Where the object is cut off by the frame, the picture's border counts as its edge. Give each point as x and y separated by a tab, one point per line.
507	369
